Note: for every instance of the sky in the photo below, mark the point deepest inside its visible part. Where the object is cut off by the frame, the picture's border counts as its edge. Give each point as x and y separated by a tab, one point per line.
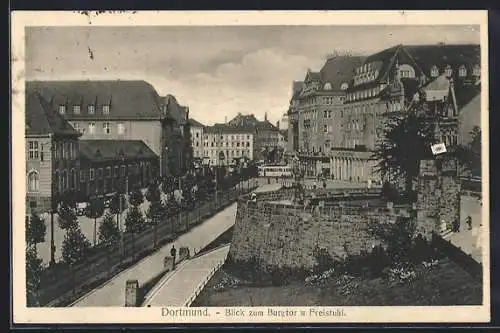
218	71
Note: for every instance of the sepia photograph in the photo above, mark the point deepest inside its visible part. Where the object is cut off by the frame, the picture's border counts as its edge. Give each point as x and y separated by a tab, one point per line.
243	168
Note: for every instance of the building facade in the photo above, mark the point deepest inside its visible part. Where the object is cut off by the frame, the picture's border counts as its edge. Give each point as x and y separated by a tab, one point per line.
108	166
197	138
120	110
374	88
234	142
269	143
52	164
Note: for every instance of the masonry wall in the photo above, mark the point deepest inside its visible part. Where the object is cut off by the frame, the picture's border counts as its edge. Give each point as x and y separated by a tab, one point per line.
285	236
438	196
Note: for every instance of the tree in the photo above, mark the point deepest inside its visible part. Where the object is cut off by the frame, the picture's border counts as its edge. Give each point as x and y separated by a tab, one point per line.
75	246
406	141
94	211
35	231
33	273
397	236
134	223
74	249
66	216
155	210
168	185
136	197
109	235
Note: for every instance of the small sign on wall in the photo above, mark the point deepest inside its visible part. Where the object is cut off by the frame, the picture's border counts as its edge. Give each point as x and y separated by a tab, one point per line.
438	148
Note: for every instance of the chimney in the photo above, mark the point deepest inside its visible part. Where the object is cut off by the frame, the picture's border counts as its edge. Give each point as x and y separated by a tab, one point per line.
278	124
265	116
225	119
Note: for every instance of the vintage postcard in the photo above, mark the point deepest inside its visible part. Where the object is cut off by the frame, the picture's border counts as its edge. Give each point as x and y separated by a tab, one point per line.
250	167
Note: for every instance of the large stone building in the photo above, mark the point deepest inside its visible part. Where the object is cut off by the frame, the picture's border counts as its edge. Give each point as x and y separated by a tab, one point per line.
231	142
269	143
122	110
371	89
108	166
52	164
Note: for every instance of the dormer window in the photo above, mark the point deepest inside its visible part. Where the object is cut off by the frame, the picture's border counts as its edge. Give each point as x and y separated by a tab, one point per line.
328	86
62	109
344	86
76	109
448	71
462	71
434	71
105	109
476	71
91	109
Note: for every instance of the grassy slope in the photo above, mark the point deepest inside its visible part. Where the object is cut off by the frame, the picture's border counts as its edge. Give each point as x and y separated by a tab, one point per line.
447	284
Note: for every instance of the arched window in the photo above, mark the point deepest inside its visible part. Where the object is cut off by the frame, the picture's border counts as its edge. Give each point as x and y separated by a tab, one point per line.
328	86
462	71
406	71
73	179
476	71
65	180
448	71
344	86
33	181
434	71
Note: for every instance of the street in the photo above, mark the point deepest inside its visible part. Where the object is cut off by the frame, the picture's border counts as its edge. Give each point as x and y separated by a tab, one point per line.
467	239
112	292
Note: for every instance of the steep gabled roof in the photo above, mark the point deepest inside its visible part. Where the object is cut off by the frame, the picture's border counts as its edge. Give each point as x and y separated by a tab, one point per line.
440	55
195	123
225	129
42	119
111	150
338	70
127	99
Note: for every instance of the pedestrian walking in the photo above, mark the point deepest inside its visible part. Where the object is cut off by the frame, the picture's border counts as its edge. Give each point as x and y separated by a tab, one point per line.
324	184
468	220
173	253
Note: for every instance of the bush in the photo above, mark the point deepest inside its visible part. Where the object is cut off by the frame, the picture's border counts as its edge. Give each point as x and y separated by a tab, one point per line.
324	260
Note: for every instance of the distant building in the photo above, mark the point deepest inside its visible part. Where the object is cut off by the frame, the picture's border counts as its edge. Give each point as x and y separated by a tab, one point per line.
52	164
121	110
197	138
283	123
233	142
109	166
269	143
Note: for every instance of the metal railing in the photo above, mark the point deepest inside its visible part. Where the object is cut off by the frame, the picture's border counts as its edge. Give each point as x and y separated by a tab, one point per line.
204	282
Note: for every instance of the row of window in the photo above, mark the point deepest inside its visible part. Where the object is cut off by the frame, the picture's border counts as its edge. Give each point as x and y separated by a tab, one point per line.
62	150
114	172
106	128
462	71
226	137
229	153
233	144
330	100
90	109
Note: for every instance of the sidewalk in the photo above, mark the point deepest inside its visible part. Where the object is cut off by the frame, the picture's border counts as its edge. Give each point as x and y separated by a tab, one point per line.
112	293
178	288
467	239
